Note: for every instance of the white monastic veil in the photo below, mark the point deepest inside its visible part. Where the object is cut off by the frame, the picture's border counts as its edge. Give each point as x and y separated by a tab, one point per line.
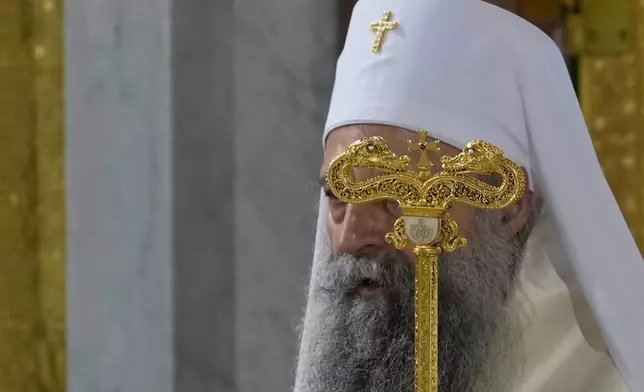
468	70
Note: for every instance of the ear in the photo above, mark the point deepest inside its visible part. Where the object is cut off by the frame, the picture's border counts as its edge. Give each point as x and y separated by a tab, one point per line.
517	216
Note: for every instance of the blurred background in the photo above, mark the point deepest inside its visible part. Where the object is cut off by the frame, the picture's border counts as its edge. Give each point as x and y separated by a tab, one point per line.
157	169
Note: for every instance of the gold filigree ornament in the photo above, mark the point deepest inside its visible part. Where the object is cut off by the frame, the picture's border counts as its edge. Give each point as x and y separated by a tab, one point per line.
425	199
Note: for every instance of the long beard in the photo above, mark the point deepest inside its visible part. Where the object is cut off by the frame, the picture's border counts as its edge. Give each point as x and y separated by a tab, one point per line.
357	344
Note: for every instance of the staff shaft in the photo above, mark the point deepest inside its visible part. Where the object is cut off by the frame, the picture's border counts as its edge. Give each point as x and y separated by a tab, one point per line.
426	318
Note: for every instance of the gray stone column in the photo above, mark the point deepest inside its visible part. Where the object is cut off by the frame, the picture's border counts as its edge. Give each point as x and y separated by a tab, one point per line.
285	56
193	144
119	196
203	172
149	197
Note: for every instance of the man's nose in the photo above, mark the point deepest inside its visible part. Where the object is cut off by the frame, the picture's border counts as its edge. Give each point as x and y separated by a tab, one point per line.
363	229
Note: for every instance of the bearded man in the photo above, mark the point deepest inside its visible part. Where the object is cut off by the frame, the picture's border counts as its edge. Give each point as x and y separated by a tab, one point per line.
548	294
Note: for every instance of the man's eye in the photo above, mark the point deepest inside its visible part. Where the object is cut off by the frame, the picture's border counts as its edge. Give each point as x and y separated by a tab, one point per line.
330	195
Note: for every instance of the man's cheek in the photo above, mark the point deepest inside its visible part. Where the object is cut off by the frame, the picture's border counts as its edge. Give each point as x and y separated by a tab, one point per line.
464	216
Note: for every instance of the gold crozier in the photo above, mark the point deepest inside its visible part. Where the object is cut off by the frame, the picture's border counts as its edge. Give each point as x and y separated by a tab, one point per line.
425	199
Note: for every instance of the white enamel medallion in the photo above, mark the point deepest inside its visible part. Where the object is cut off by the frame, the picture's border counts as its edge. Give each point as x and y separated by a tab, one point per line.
421	230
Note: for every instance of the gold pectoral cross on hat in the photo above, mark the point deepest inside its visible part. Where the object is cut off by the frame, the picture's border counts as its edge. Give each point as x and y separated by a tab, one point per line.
381	27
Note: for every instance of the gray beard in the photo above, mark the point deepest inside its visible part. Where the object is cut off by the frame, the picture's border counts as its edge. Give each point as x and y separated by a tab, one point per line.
358	344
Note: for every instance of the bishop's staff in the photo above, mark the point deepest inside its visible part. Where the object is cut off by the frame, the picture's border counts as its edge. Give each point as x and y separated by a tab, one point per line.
425	199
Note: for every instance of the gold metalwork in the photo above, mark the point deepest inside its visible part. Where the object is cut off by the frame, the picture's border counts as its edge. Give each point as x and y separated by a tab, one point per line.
32	230
381	27
424	164
425	200
612	97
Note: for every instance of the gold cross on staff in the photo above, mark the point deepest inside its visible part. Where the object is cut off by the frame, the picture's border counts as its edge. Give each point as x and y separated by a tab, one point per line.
381	27
422	145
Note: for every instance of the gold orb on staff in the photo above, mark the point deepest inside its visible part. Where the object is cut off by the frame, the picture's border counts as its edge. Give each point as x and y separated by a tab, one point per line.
425	199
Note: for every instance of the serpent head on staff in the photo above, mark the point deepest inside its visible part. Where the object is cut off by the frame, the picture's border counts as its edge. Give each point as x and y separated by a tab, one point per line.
374	153
477	157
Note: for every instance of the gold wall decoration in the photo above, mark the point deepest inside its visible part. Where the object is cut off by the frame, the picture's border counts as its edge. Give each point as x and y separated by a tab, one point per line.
612	97
32	217
600	27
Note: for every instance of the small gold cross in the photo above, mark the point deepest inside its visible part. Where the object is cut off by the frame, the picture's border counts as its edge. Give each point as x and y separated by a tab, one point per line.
423	146
381	27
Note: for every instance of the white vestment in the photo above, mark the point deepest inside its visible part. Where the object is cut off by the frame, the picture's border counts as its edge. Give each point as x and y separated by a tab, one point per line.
466	70
559	356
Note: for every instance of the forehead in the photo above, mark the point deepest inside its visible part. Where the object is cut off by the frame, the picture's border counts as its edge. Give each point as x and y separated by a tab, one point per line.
397	140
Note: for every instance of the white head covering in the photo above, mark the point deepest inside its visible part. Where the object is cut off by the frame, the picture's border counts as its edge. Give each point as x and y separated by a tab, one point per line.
466	70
